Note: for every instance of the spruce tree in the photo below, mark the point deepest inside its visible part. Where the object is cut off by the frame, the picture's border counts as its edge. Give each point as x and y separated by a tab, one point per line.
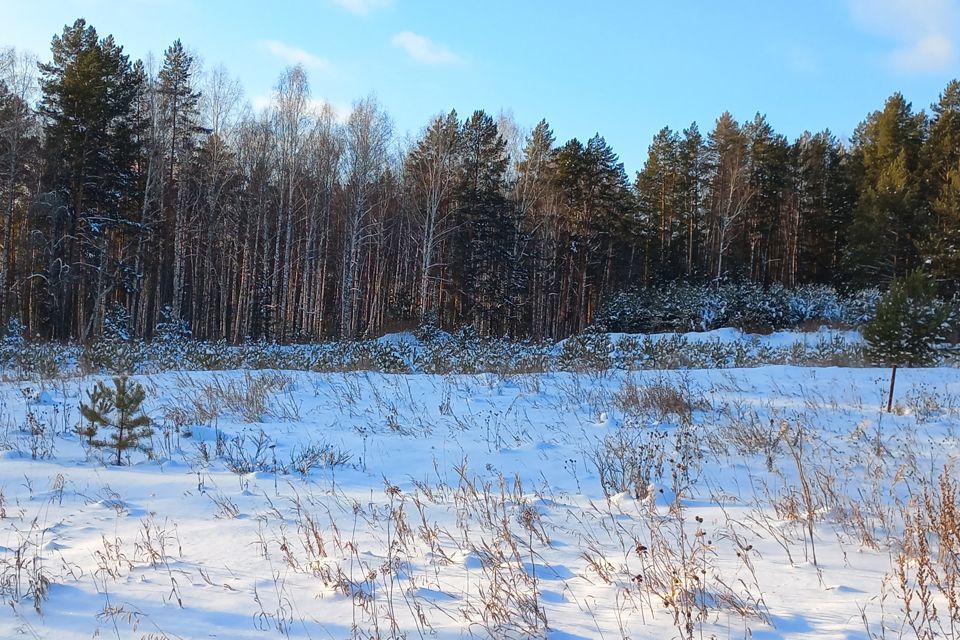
117	409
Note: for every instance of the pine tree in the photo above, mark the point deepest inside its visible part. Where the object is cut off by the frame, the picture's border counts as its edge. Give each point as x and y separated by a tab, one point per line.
941	248
911	320
99	405
693	170
660	200
179	117
113	350
485	265
534	197
769	160
89	91
118	409
890	214
824	194
600	214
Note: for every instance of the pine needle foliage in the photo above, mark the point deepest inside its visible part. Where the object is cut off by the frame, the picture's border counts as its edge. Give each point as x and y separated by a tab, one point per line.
99	404
910	322
117	409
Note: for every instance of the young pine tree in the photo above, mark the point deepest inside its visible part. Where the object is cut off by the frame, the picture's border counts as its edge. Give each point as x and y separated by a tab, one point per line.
118	409
911	320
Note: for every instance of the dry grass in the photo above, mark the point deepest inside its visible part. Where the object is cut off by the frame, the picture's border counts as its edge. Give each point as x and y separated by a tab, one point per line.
491	551
663	399
250	399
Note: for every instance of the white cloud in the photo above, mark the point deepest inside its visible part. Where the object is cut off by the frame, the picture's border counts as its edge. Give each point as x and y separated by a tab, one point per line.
933	52
362	7
901	17
341	111
261	102
922	31
423	49
295	55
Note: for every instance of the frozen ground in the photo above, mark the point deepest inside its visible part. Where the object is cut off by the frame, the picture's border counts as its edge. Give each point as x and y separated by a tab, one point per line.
560	505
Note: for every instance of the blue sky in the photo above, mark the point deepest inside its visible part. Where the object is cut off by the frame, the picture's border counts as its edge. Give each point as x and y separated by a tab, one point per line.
621	68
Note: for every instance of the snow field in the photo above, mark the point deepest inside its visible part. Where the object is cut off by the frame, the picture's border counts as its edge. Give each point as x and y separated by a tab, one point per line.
773	502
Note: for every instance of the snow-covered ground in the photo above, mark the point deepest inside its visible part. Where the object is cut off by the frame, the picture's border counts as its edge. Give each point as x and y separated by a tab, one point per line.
362	505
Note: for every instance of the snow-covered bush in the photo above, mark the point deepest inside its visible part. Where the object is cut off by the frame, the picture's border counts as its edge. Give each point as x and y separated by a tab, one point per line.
171	341
115	351
14	336
813	302
24	359
589	351
462	352
378	356
861	306
465	351
684	306
13	348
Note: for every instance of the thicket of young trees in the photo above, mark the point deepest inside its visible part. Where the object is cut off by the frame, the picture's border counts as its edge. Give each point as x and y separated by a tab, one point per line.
159	191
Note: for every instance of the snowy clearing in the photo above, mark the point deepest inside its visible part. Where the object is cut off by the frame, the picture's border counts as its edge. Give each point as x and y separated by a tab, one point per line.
559	505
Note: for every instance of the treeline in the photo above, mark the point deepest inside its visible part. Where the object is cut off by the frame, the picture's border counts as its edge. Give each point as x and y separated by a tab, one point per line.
161	193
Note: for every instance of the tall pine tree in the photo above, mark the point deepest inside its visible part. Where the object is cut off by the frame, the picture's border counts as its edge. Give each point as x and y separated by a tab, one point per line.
89	90
942	165
891	213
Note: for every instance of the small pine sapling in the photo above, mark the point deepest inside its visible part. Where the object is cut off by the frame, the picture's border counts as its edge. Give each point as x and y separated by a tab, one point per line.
118	409
95	411
910	322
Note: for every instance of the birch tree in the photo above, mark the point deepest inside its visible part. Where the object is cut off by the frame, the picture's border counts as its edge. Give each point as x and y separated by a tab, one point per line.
432	174
366	145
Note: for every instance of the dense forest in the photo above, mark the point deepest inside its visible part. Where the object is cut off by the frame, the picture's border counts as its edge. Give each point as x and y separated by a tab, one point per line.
156	189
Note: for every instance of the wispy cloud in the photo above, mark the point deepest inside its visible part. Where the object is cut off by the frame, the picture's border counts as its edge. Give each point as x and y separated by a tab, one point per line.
295	55
922	31
340	111
423	49
932	52
362	7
